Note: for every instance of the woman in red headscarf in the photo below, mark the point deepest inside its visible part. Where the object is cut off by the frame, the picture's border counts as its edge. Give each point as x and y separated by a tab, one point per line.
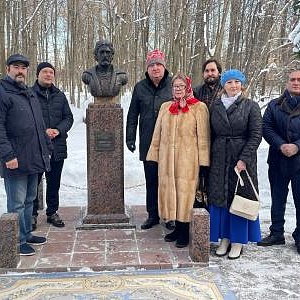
180	144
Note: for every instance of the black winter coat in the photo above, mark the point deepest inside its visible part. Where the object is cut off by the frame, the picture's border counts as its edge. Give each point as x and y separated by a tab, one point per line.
207	95
57	114
281	125
144	107
22	130
236	135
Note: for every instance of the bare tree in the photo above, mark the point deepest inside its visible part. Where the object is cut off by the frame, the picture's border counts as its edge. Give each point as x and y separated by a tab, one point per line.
246	34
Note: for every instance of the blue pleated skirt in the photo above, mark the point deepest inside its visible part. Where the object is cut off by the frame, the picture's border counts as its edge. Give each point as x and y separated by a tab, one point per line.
223	224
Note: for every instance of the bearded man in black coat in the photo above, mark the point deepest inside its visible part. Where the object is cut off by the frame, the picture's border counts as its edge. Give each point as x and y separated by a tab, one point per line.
24	147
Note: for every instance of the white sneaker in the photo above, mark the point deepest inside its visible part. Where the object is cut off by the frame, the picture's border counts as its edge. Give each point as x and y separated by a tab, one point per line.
223	248
235	251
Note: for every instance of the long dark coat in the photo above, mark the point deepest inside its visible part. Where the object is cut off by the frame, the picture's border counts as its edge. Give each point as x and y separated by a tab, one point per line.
236	135
56	114
144	108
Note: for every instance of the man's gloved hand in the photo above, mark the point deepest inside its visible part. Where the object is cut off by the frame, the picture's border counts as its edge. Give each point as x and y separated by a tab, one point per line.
130	146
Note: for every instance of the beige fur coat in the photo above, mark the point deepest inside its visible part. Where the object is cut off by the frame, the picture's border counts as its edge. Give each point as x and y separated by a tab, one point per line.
180	144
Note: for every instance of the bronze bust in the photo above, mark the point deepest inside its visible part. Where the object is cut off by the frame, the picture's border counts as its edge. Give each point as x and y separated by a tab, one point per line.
104	80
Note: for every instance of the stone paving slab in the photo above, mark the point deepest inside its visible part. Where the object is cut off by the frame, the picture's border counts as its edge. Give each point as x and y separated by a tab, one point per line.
68	249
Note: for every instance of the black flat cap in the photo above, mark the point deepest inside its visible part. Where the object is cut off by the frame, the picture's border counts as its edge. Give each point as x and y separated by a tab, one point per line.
17	58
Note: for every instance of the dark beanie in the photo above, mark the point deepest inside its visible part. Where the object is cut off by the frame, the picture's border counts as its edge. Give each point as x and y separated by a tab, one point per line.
43	65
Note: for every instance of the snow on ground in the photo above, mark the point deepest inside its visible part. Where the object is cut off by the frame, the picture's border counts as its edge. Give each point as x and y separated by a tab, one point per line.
260	273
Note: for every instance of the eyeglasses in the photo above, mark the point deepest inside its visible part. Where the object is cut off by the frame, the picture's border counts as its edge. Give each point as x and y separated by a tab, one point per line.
179	87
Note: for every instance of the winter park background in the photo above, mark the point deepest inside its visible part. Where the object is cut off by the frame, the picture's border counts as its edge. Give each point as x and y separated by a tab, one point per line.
256	35
260	273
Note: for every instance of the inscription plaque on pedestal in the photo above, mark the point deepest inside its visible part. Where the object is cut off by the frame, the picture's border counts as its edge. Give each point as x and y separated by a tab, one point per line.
104	141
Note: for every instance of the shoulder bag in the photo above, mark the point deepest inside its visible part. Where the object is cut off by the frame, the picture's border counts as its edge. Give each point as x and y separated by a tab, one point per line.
244	207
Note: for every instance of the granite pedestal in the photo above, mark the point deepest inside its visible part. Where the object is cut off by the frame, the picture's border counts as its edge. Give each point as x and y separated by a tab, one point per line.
105	165
199	246
9	240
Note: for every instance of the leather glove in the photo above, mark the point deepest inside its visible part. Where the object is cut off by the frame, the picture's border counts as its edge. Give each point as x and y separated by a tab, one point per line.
130	146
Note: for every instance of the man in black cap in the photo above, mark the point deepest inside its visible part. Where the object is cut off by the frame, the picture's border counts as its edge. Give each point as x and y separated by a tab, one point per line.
24	147
58	119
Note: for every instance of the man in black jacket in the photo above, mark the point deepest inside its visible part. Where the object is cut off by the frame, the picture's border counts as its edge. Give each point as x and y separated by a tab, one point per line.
58	119
24	147
209	91
281	124
148	95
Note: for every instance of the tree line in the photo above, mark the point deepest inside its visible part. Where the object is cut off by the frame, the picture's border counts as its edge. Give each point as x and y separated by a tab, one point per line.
251	35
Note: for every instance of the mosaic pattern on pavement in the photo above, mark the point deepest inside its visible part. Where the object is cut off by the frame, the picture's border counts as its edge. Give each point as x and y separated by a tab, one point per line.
196	283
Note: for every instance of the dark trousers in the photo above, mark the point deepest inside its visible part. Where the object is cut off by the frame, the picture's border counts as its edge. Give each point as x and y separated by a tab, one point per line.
279	191
151	176
52	188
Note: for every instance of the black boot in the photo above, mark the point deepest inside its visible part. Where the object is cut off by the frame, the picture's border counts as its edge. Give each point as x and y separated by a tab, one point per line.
172	237
150	222
33	223
183	236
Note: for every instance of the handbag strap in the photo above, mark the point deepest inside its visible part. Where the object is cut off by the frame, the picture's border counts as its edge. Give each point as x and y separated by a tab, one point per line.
240	180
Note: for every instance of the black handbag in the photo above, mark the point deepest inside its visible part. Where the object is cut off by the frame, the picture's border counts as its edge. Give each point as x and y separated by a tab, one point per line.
201	198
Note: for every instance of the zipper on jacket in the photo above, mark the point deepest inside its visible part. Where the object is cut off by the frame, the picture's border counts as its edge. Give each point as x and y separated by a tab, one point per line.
48	104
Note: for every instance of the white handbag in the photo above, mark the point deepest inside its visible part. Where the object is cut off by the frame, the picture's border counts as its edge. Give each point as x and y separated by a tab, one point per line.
244	207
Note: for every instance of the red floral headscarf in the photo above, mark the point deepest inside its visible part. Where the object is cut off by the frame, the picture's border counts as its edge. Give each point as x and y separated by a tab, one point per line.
182	105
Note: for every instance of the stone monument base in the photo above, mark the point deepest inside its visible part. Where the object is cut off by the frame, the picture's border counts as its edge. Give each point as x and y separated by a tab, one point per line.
105	221
105	166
